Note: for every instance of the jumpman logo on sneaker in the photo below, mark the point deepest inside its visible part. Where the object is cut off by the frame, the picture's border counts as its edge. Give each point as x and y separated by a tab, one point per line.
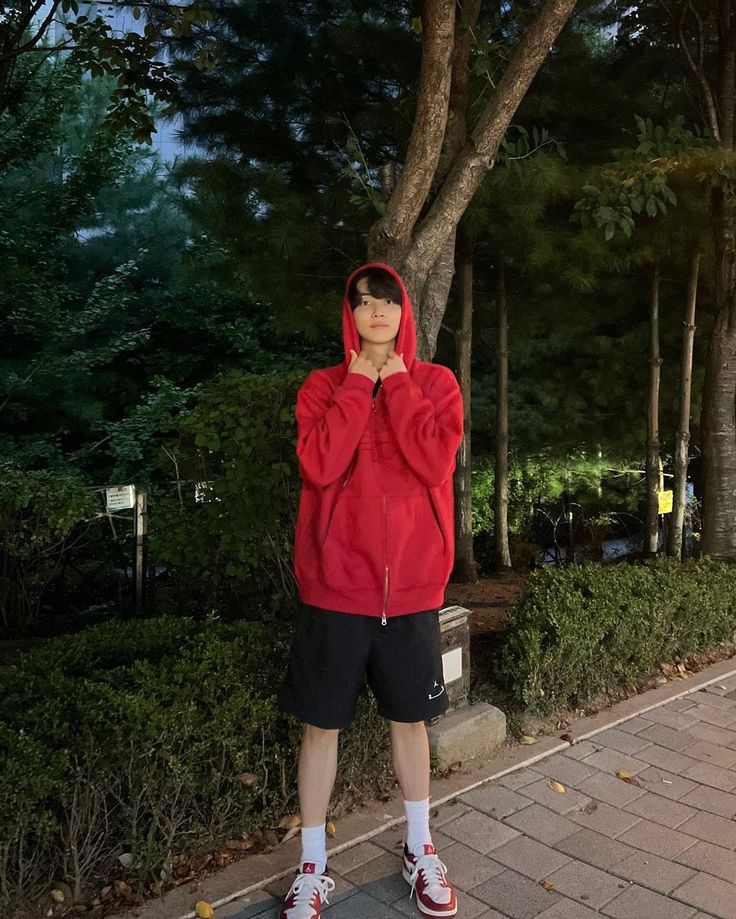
436	684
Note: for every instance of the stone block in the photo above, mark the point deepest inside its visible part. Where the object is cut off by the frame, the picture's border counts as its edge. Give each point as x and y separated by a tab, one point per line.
468	732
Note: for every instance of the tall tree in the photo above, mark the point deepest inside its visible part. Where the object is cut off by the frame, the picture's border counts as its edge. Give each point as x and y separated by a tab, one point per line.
32	31
682	440
701	37
417	232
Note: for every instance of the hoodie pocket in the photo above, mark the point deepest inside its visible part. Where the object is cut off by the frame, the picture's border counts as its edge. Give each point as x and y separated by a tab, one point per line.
354	548
416	547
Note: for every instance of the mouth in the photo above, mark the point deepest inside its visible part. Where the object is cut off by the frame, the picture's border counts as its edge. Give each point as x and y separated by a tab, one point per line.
380	325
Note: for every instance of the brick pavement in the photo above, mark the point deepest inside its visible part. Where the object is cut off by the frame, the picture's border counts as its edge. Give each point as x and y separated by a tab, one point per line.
662	847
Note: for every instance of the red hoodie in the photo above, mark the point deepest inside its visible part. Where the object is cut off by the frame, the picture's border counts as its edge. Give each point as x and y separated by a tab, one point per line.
375	531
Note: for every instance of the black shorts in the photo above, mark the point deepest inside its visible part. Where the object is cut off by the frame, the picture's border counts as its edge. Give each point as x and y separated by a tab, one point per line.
332	654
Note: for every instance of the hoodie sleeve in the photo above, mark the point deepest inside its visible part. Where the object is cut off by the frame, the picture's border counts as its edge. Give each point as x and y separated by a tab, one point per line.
330	423
428	430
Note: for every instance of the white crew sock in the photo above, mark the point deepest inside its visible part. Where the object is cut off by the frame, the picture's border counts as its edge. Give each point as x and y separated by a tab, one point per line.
314	847
417	824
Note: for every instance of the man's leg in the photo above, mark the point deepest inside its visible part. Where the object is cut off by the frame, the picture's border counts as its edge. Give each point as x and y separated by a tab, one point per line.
422	868
410	753
317	771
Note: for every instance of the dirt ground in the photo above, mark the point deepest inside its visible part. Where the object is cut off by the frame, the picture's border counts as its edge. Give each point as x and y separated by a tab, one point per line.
488	599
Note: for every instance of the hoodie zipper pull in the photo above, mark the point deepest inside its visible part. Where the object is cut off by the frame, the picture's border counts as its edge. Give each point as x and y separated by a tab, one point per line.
383	619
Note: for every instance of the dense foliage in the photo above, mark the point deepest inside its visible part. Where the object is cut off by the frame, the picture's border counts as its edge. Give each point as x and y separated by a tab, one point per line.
131	738
580	630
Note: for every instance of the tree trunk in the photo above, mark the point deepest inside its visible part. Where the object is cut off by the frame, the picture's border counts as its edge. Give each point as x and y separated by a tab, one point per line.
682	442
652	468
465	567
501	476
719	396
718	428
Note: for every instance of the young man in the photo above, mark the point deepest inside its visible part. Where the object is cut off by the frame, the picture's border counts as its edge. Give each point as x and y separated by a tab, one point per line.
377	438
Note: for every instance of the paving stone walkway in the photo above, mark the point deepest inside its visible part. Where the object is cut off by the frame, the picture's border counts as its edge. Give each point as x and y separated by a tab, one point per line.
662	847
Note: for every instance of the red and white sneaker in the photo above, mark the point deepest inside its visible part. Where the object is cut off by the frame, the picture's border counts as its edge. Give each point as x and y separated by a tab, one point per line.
426	873
307	894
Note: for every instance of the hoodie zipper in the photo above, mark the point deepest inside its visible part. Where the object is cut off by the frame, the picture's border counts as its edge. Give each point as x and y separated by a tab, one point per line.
385	542
385	576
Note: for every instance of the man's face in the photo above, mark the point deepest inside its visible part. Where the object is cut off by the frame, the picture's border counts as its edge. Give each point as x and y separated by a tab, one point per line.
377	320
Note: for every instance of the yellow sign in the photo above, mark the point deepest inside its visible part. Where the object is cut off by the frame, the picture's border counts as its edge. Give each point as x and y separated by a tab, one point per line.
665	502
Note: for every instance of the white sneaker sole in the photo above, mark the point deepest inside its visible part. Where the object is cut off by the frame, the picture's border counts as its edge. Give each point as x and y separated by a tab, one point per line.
420	906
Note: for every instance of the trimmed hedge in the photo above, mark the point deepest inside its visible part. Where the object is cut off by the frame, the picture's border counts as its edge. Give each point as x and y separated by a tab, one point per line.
130	737
578	631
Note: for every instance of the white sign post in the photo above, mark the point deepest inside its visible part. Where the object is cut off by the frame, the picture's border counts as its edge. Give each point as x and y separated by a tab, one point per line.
124	498
140	531
120	498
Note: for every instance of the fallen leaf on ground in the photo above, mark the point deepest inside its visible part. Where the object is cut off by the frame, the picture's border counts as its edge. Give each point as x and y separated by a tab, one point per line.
567	738
248	778
557	786
238	844
548	885
290	821
527	739
625	777
330	828
204	910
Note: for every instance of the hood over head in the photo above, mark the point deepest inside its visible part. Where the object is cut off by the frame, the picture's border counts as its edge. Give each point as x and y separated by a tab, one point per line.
406	340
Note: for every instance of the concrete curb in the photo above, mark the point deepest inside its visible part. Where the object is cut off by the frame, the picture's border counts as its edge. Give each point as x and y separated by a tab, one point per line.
505	761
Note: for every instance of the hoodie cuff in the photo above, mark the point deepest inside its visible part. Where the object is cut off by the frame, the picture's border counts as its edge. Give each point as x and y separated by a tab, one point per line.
396	380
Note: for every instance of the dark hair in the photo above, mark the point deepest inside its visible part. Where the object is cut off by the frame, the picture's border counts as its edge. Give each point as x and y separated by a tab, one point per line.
381	283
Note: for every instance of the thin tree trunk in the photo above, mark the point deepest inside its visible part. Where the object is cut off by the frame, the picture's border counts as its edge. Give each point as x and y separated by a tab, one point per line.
501	476
719	395
652	469
682	443
718	97
465	567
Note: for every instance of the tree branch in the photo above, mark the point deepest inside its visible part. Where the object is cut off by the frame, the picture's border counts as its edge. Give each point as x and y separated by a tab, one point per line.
428	131
456	129
706	94
479	152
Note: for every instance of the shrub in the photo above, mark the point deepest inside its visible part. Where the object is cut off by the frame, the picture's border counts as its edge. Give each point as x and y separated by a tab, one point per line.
577	631
39	511
232	550
131	736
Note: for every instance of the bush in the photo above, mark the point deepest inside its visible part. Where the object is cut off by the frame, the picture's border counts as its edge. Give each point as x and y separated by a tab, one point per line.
39	512
232	550
130	737
580	630
595	484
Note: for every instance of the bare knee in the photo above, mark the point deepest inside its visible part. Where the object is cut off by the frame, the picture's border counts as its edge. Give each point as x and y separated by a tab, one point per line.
407	726
319	735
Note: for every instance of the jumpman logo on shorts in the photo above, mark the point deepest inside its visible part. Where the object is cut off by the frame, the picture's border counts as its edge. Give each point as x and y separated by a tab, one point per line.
436	684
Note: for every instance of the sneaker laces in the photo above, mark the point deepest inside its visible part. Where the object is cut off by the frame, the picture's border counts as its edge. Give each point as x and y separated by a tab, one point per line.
434	873
306	885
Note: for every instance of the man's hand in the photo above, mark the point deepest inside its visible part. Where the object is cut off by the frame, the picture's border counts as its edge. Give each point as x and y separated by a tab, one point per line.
394	364
361	363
